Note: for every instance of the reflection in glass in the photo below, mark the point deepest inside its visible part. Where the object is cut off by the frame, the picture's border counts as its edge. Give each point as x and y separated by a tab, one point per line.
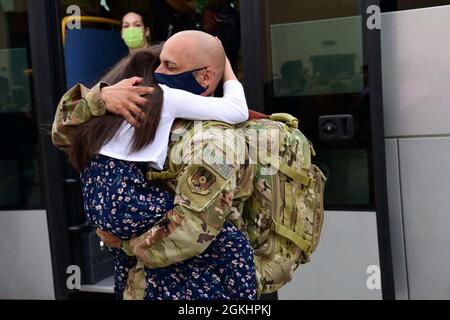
317	57
20	185
314	65
348	174
14	81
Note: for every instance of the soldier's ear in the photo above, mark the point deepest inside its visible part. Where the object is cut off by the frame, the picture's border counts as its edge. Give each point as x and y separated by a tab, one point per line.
205	77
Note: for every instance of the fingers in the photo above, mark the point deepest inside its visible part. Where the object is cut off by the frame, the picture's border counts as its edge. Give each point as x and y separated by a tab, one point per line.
138	100
131	119
130	82
134	109
109	239
131	85
143	90
128	108
102	234
136	80
125	98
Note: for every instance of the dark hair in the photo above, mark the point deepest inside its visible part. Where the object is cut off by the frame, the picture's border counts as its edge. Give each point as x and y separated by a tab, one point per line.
88	138
144	17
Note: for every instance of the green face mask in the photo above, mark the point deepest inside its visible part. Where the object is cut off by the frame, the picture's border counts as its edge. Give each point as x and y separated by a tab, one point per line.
134	37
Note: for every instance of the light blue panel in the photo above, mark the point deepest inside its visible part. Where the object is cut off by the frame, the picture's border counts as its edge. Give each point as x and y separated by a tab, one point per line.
338	268
416	71
425	179
396	220
25	268
104	286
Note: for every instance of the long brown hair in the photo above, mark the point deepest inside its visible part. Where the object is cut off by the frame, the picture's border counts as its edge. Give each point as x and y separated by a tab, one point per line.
88	138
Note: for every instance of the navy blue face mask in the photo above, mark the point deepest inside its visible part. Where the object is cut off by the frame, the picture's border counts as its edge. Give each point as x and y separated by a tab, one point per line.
183	81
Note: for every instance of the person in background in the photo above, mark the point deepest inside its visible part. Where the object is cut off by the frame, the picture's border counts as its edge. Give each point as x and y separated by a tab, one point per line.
221	19
135	32
6	101
294	80
171	16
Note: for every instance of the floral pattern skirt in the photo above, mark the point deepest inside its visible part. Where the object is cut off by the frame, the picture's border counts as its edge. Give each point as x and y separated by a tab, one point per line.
119	200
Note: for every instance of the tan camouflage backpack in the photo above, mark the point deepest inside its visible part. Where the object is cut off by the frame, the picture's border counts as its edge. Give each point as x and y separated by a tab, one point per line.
284	214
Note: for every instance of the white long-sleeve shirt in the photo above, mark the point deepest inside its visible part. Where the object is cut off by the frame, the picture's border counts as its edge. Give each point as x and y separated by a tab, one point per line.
232	108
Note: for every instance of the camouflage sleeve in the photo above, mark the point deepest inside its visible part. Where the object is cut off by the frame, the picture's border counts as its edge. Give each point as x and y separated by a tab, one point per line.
77	106
204	197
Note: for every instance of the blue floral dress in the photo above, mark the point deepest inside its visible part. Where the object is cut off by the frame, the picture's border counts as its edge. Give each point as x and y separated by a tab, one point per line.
118	200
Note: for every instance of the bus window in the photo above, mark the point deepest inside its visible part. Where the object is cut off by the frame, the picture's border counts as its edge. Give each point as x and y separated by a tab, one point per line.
92	37
20	183
314	68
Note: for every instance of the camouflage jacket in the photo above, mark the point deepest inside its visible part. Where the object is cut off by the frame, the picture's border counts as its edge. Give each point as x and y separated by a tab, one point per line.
207	189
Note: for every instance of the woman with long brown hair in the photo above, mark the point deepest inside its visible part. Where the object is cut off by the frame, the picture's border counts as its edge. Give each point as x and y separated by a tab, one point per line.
117	199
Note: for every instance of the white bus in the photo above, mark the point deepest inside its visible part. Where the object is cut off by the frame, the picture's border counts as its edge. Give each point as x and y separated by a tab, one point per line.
369	81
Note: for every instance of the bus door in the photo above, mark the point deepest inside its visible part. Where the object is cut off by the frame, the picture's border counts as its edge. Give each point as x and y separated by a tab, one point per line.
320	61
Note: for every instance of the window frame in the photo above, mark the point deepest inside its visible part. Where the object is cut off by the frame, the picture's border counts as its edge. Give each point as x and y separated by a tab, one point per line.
393	5
46	59
252	48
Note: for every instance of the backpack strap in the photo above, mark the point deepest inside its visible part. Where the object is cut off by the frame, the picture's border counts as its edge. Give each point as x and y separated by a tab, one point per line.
163	175
290	120
290	235
287	170
295	175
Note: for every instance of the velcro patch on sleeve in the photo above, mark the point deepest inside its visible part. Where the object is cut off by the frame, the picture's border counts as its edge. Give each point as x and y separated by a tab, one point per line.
201	180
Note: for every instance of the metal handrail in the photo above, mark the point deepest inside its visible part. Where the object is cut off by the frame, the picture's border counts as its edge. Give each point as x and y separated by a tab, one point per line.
66	19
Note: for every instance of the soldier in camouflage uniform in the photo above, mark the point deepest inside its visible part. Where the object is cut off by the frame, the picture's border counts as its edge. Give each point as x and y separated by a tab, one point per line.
207	194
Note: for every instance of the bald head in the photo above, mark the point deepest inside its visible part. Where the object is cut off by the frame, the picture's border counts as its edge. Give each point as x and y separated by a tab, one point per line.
200	47
189	50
